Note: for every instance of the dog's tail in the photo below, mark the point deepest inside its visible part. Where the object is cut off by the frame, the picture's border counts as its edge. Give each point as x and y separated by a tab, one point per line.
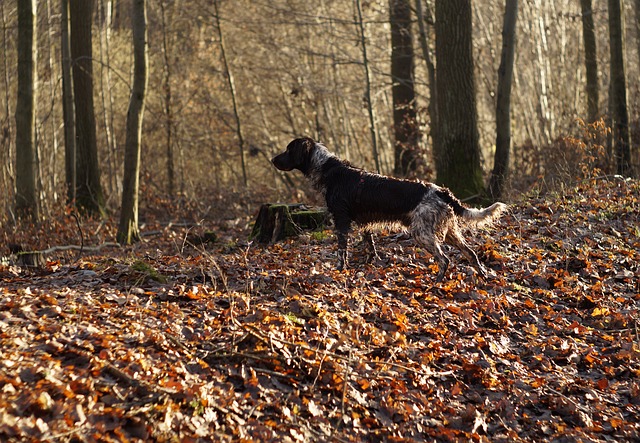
471	216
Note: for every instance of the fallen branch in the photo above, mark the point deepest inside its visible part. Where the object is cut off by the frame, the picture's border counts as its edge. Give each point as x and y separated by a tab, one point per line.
38	258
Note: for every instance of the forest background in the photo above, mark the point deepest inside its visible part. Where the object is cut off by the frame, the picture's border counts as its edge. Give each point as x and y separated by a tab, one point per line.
297	68
198	333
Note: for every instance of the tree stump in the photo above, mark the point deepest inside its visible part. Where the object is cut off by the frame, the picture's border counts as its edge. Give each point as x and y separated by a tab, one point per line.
278	221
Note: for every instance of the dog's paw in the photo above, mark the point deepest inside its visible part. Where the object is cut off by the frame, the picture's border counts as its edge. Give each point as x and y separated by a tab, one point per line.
375	257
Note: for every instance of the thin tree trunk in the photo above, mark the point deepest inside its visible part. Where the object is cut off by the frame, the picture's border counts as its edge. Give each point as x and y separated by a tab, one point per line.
53	177
590	59
546	117
232	89
68	107
104	36
367	72
114	152
89	197
128	231
26	196
458	156
168	111
405	125
7	136
637	8
431	69
503	106
619	112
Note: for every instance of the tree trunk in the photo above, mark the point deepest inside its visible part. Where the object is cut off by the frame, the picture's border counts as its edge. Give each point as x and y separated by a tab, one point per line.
458	154
503	105
168	109
431	69
232	89
68	108
619	112
89	197
406	154
367	74
590	59
637	8
6	134
26	196
128	229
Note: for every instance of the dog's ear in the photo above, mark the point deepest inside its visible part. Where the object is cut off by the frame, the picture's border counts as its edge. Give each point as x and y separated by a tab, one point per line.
302	150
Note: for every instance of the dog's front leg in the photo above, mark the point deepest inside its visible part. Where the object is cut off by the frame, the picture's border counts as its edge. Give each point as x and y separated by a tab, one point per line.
342	232
343	244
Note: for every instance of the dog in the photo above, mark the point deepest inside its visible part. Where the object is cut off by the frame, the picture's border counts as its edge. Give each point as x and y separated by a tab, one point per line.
431	214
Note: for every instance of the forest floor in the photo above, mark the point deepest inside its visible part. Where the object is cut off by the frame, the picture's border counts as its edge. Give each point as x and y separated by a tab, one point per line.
176	340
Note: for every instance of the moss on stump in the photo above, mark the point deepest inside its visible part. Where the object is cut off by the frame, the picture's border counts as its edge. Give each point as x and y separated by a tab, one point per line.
278	221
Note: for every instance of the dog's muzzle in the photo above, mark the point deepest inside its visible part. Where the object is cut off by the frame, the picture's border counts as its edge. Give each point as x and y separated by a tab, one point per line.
281	162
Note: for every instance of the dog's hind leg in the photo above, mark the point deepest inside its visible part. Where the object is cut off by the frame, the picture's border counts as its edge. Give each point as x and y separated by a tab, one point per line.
433	246
454	238
372	254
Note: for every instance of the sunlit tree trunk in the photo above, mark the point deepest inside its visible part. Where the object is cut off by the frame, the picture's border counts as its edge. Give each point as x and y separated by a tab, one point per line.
619	112
26	196
128	230
503	105
590	59
405	126
6	137
50	186
458	154
89	197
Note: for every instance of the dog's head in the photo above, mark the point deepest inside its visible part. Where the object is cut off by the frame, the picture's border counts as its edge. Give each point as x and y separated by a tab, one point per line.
297	156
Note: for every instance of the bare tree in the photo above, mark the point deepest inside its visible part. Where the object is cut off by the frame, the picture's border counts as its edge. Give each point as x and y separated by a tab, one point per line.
367	92
458	154
619	112
89	195
503	104
637	10
405	126
68	108
26	196
431	69
128	230
232	89
168	105
6	137
590	59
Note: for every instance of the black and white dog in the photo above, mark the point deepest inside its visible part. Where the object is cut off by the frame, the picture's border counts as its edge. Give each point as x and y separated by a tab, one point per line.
433	215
